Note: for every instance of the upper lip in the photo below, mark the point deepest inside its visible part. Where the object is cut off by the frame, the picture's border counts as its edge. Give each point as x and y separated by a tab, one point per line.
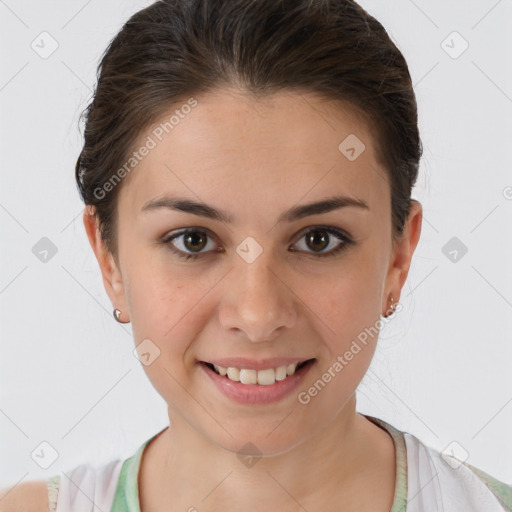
251	364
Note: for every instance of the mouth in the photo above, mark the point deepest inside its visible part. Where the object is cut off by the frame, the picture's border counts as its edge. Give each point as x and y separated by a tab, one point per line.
260	377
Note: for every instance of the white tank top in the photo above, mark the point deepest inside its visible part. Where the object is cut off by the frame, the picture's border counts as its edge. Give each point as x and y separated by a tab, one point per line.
426	481
85	488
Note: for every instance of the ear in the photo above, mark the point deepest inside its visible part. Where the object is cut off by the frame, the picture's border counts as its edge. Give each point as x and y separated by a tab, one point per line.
402	254
111	274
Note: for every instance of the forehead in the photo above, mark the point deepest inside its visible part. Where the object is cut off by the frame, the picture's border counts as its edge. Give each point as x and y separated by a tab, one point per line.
231	143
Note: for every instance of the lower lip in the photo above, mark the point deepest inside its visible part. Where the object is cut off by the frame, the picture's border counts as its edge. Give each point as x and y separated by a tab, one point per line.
257	393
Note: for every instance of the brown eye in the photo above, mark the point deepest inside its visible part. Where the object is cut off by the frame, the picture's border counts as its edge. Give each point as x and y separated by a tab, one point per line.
189	243
192	243
319	239
194	240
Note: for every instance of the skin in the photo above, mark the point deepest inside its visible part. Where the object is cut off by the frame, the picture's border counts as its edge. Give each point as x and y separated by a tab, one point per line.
255	159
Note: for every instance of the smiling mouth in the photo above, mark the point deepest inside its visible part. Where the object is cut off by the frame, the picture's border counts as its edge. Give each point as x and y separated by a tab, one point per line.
259	377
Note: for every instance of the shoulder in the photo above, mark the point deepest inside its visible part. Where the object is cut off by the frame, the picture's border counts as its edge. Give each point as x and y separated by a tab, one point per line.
29	496
79	484
446	479
69	493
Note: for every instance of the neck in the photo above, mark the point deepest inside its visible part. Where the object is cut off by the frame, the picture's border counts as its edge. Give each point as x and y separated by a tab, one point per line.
184	468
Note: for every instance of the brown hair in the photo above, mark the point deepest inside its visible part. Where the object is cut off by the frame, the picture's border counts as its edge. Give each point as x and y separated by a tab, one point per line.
174	49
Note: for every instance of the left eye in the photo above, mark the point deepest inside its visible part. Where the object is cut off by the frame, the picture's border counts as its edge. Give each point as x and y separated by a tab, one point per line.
195	240
321	236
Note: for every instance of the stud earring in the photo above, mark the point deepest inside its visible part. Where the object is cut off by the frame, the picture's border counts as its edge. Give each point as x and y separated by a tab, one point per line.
117	314
391	307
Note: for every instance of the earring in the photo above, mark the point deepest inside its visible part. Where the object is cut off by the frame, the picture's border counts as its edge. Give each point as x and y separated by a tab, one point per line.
392	308
117	314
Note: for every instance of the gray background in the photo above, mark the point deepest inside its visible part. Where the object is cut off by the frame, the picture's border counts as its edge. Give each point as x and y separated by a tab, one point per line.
442	368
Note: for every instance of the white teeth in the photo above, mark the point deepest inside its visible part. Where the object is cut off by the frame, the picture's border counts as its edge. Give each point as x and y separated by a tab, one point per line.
220	369
266	377
281	373
290	369
233	374
262	377
248	376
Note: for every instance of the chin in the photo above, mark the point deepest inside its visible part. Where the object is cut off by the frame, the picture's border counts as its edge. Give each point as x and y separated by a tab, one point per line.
250	441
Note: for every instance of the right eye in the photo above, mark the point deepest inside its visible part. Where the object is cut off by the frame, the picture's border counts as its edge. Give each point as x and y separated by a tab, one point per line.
192	238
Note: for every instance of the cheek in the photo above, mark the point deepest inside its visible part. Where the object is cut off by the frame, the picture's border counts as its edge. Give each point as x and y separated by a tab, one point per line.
350	308
351	312
168	306
162	311
350	301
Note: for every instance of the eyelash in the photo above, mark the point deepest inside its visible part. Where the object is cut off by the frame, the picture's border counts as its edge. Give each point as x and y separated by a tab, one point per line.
166	240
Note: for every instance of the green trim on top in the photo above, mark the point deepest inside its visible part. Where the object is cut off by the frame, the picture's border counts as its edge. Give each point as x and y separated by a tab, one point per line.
126	498
501	490
400	501
53	485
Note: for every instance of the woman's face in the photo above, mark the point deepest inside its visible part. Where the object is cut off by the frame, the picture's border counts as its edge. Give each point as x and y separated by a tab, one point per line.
266	283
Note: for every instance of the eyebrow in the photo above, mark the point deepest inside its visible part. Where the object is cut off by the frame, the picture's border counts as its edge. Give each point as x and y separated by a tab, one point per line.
187	205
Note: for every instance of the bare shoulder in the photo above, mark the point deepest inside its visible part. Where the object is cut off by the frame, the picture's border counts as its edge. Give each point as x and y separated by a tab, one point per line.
31	496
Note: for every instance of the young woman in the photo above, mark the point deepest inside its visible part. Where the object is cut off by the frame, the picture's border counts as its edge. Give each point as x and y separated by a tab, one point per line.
247	170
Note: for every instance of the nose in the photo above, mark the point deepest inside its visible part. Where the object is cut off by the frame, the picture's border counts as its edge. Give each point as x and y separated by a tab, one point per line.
257	303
